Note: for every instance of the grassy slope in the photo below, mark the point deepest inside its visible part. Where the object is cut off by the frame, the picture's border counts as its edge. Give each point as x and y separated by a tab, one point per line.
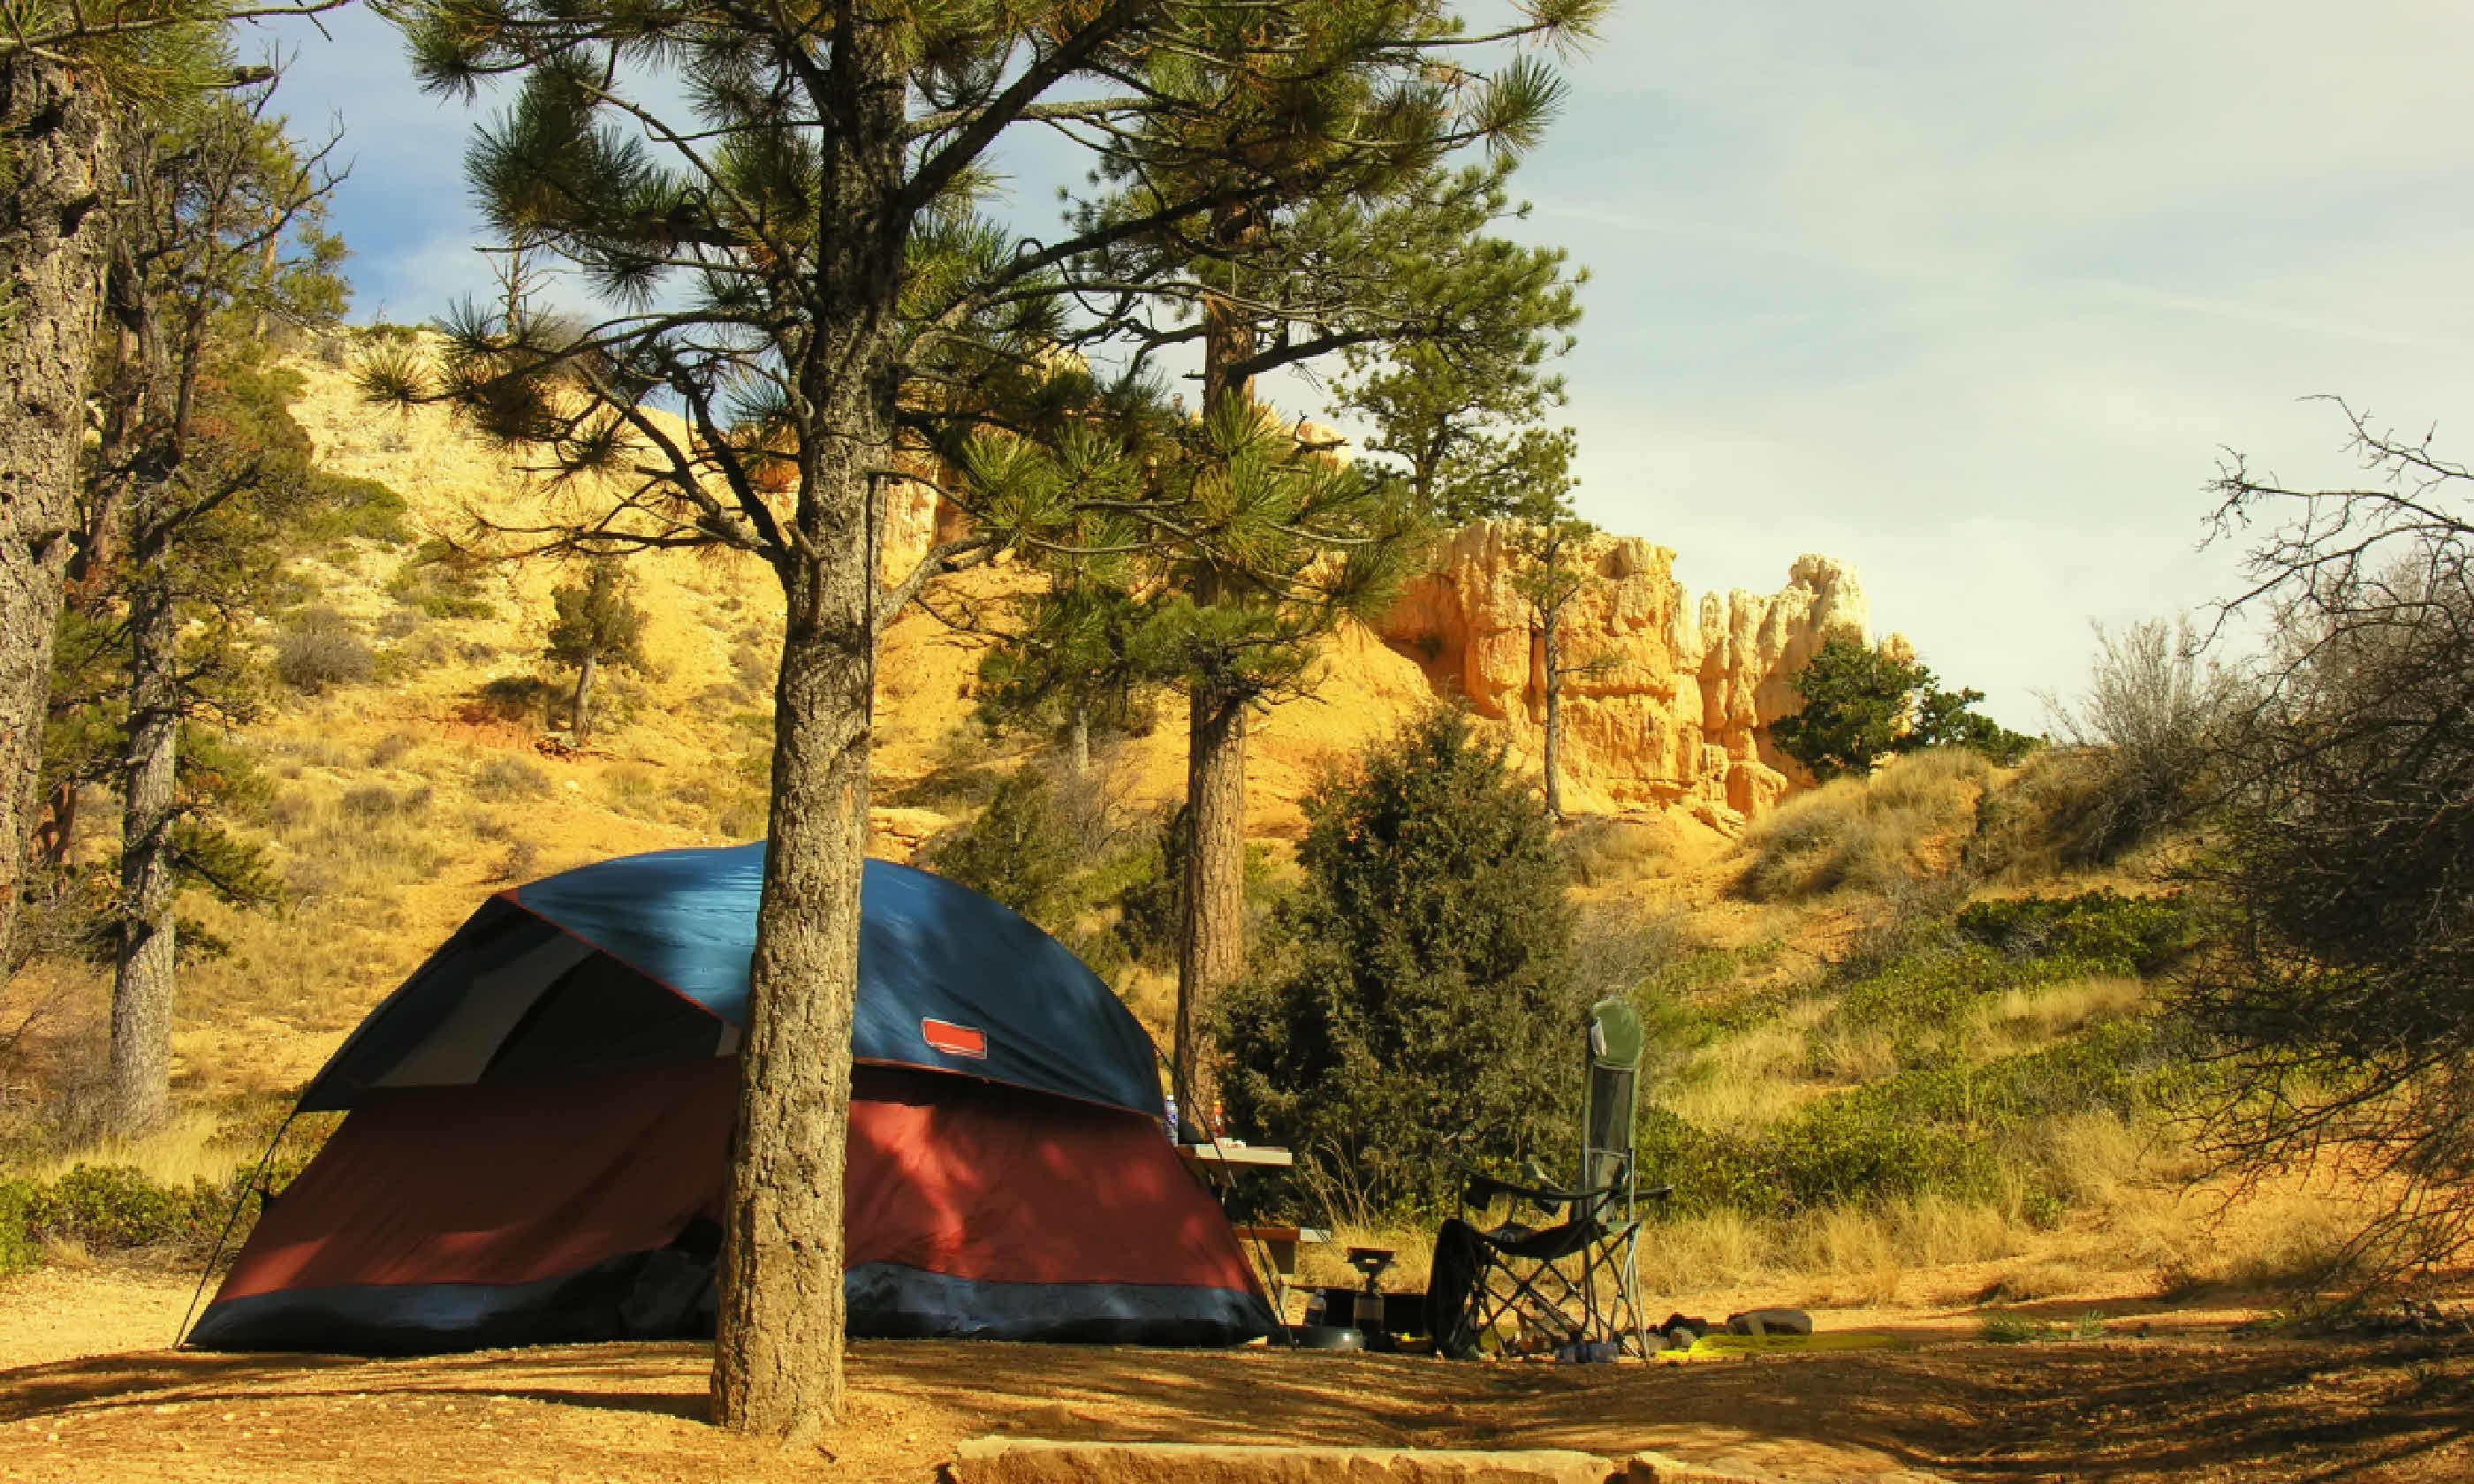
400	803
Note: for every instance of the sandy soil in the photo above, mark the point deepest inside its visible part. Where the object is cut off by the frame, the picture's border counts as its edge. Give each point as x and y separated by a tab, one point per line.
2187	1401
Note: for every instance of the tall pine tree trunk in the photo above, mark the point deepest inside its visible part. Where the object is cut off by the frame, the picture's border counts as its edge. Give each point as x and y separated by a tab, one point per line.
1547	623
579	713
777	1351
1212	949
141	989
54	130
1078	740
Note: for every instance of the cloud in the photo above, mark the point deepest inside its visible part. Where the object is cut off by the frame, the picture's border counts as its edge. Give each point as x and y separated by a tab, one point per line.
1970	295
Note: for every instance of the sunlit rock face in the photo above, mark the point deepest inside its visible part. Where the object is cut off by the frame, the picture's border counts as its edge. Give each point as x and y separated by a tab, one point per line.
1666	702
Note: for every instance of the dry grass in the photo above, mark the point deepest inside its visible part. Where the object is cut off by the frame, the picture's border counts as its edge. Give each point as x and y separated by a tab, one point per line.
2024	1020
1745	1082
1325	1265
1853	1054
1617	852
633	788
1847	1256
185	1150
1866	835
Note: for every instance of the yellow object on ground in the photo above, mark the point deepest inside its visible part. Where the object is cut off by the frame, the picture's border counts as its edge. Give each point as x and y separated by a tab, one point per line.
1741	1346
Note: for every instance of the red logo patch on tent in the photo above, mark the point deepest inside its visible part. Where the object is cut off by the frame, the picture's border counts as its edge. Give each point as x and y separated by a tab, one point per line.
954	1039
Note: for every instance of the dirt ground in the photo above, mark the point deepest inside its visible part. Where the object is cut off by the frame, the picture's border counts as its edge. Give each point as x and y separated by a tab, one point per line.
86	1393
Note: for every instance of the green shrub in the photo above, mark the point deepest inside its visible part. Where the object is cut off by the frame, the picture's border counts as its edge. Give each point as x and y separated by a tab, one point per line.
1418	982
442	583
1853	1150
110	1209
19	1248
1016	850
349	506
1147	882
1861	703
1950	1129
1150	901
2101	930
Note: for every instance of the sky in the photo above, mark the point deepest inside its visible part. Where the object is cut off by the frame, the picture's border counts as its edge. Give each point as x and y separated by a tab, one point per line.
1973	295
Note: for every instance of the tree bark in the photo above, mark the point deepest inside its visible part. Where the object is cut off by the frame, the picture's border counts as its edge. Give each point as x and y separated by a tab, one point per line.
1078	740
1547	624
1212	949
778	1349
54	129
1228	335
141	991
579	713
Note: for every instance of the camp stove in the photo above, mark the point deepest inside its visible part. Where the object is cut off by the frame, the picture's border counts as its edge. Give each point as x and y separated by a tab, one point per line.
1371	1262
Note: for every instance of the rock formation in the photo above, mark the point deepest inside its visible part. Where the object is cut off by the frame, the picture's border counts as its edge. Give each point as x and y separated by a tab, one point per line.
1672	700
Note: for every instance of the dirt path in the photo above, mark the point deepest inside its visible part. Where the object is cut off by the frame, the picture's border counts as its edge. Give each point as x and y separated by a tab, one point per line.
2153	1409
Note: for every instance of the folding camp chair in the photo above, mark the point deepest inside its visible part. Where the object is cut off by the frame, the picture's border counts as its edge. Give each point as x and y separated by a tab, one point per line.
1572	1286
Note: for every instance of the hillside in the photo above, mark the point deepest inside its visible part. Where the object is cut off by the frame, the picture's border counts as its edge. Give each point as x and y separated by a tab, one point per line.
399	800
1853	1088
1905	1070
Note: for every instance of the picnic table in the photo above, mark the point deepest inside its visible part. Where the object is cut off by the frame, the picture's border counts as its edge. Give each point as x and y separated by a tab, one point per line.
1226	1154
1276	1246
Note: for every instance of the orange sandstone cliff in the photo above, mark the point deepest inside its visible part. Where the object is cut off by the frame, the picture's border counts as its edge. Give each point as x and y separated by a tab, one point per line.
1672	699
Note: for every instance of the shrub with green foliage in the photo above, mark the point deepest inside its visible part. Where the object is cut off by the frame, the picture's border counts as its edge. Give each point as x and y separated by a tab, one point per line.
442	582
1862	705
1954	1118
2102	931
109	1209
1952	1129
1418	986
1015	850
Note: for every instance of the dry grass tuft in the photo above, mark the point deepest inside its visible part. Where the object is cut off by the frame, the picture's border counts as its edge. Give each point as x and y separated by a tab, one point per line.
1850	1254
185	1150
2023	1019
1616	852
1874	834
1746	1083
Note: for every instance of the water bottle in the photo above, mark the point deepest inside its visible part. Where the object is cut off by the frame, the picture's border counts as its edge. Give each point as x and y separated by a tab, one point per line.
1169	1122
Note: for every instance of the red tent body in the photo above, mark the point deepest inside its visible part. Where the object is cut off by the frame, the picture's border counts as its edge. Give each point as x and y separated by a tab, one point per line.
582	1205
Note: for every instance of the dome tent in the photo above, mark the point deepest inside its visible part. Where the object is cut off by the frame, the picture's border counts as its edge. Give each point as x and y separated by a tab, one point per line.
539	1123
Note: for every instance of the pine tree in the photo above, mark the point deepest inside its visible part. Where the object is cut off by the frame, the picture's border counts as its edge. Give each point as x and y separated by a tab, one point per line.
1082	652
218	195
1420	980
1862	704
1386	250
776	207
75	80
597	624
1465	415
1550	584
